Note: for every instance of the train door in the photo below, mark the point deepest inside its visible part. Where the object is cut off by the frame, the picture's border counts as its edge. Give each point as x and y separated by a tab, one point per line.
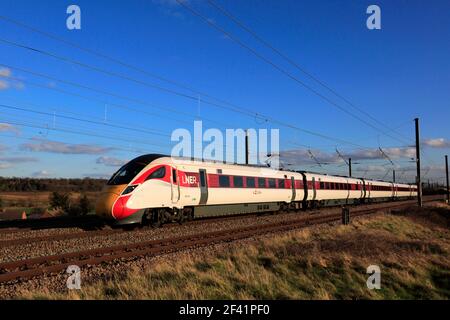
175	185
348	187
364	192
313	183
293	188
203	186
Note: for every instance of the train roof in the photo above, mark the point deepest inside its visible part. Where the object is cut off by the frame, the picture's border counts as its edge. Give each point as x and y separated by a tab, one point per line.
148	158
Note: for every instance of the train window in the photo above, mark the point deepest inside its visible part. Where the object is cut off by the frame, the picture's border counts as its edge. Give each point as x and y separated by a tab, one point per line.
322	185
250	182
272	183
126	173
157	174
261	182
174	176
224	181
238	181
281	183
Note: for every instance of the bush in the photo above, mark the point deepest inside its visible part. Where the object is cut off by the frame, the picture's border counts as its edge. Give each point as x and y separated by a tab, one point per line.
60	201
84	205
37	211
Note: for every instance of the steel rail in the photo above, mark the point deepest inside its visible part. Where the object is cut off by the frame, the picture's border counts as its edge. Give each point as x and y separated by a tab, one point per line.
29	268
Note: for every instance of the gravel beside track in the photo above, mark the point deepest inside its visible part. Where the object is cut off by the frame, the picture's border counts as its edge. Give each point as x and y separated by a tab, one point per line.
116	237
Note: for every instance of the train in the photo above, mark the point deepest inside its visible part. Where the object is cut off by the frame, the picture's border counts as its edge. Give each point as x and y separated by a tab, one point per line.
155	189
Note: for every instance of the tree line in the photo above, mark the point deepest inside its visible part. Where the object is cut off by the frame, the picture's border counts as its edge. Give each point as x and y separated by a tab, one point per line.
61	185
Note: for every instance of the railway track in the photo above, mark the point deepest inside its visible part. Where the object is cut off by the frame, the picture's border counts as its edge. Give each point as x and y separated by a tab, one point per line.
106	232
29	268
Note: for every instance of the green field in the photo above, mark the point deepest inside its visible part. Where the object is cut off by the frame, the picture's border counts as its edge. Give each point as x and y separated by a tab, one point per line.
327	262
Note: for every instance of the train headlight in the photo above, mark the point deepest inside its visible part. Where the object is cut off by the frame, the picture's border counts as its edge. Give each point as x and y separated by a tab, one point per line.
129	189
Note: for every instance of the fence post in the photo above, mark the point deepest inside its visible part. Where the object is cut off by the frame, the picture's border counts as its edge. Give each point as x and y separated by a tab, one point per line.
345	216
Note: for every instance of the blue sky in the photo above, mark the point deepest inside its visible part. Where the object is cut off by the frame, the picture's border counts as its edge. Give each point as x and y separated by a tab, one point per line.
395	74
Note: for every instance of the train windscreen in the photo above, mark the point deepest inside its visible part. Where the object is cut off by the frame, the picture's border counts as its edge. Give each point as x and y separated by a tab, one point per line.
127	172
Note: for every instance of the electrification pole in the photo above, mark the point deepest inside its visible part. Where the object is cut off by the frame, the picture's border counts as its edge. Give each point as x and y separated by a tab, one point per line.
419	181
393	176
446	174
350	167
246	146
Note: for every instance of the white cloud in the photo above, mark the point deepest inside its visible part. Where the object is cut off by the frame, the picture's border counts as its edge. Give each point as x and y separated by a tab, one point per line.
5	165
18	159
6	82
8	162
6	127
5	72
61	147
4	85
303	157
41	174
97	175
437	143
110	161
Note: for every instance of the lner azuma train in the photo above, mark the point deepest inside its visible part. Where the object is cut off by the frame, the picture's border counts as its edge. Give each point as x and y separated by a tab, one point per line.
156	188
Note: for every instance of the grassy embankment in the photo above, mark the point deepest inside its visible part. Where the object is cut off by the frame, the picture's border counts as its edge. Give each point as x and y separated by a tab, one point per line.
329	262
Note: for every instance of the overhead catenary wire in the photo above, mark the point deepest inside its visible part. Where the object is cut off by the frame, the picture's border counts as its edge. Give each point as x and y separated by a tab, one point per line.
39	74
340	141
228	14
235	107
277	67
159	77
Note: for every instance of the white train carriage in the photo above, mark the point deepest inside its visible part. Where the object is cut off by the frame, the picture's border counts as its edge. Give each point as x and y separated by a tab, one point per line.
158	188
378	191
201	188
324	190
405	191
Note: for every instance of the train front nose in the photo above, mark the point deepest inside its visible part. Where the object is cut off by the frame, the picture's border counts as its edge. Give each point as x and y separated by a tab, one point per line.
106	199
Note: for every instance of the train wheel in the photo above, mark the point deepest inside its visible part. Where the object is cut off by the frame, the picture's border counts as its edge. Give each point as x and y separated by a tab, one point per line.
284	208
157	218
180	216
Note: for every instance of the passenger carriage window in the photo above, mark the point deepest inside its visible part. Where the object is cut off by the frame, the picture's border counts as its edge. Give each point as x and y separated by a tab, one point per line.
224	181
281	183
250	182
158	174
272	183
238	181
261	182
322	185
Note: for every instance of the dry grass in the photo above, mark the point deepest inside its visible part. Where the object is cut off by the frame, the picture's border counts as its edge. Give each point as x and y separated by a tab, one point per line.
412	251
